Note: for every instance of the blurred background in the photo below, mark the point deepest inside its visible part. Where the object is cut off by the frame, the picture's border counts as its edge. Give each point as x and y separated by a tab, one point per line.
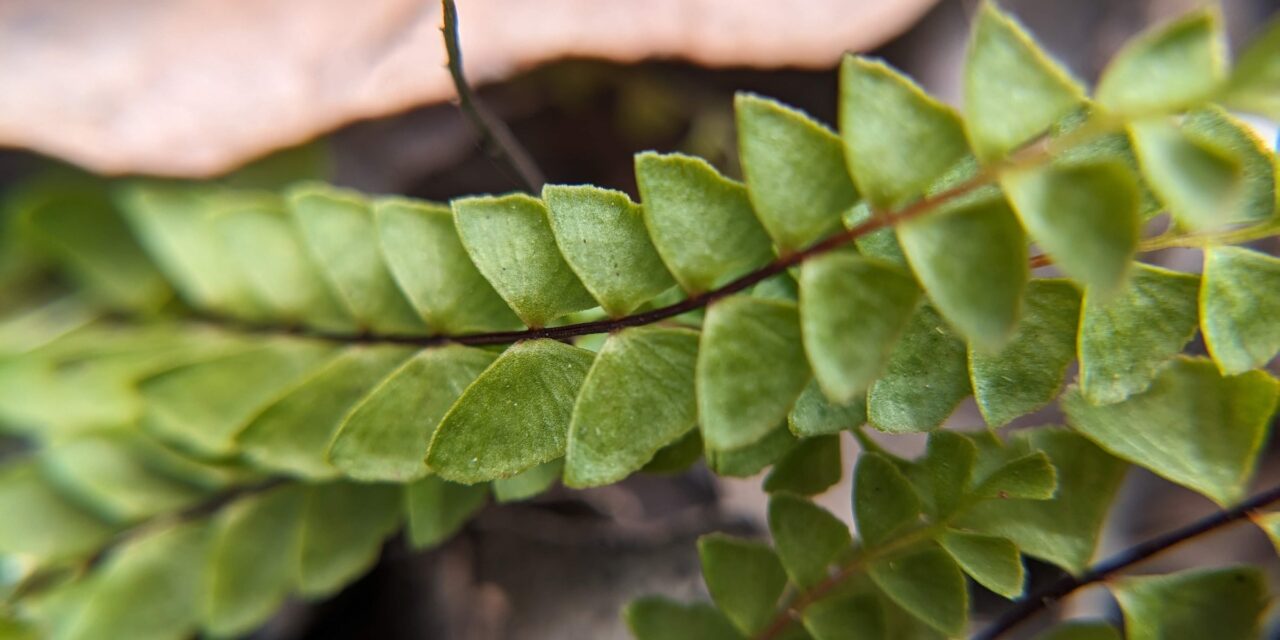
192	89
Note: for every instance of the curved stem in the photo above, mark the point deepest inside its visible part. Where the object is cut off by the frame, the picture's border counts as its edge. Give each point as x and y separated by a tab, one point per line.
1032	154
692	303
37	580
493	130
1035	602
695	302
207	507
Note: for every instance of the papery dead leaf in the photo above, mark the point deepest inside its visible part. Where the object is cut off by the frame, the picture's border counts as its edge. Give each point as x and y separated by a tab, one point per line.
196	87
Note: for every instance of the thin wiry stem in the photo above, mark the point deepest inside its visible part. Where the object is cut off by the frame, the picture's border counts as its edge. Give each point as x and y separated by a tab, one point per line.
207	507
1031	154
497	136
692	303
41	579
1035	602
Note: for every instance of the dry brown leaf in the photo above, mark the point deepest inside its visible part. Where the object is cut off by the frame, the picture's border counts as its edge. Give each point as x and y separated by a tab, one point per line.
195	87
